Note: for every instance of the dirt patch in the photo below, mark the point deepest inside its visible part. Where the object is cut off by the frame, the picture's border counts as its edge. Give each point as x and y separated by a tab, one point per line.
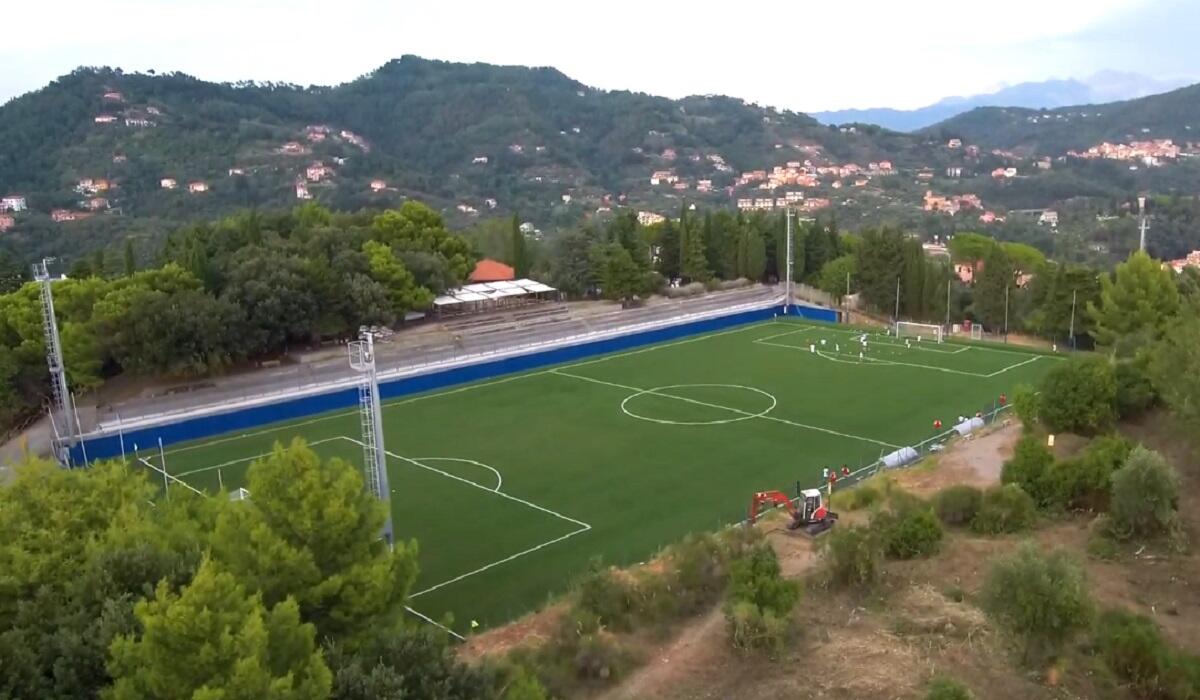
975	460
532	629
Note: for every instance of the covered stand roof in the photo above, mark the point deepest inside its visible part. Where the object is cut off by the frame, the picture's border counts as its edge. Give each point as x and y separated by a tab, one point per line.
490	291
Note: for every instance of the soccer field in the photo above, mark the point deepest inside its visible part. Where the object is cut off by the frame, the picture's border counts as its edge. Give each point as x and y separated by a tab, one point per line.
512	485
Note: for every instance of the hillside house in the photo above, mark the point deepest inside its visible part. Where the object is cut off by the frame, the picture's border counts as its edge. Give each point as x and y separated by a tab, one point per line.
479	160
293	148
236	171
154	111
468	209
138	122
954	171
663	177
971	151
954	143
745	203
104	118
704	185
1048	218
649	218
7	221
764	203
168	183
491	203
566	199
119	158
197	187
1004	173
668	154
13	203
378	185
317	172
861	182
114	96
1192	260
96	204
990	217
302	190
681	185
966	271
315	136
1043	163
815	204
61	215
91	186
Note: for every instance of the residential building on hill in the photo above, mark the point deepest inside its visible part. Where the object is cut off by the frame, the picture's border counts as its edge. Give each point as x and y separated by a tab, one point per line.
13	202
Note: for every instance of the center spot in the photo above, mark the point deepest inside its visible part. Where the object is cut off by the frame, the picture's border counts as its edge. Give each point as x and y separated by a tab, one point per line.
698	404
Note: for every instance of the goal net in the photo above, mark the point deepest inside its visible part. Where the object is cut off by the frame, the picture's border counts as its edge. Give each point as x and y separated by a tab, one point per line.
922	331
977	332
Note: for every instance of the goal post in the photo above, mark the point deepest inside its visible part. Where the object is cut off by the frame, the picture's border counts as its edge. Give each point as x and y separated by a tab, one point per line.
923	331
976	332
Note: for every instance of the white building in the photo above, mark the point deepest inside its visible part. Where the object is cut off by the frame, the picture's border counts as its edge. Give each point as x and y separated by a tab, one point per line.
13	202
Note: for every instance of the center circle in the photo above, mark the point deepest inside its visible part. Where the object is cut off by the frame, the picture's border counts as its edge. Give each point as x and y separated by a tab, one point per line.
736	415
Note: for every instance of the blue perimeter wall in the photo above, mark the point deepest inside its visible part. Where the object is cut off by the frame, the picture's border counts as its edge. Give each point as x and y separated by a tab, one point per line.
188	429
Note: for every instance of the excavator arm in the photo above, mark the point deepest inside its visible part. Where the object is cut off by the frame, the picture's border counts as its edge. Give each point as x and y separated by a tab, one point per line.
770	498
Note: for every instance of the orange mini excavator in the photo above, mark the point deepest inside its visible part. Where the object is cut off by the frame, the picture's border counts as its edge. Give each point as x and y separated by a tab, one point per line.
812	517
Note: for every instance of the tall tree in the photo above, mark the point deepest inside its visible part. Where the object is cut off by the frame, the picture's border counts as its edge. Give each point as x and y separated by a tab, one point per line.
996	291
879	260
668	250
1137	302
519	258
618	275
312	532
402	287
130	260
215	640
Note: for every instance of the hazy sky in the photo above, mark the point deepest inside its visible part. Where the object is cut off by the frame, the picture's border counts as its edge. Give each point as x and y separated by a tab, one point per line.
802	54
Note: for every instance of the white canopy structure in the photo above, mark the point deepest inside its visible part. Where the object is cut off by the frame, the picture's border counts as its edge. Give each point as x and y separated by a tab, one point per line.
477	297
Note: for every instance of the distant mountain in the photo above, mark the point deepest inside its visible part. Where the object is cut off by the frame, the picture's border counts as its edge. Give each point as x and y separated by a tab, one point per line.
468	139
1173	115
1105	86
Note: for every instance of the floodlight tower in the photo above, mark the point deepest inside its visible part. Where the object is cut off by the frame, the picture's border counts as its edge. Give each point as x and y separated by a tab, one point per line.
1142	225
789	300
362	359
61	413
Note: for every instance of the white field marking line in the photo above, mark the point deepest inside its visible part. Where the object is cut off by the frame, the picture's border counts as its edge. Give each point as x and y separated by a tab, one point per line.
247	459
656	391
876	340
499	477
1001	371
962	343
457	390
435	623
828	356
725	408
583	527
171	476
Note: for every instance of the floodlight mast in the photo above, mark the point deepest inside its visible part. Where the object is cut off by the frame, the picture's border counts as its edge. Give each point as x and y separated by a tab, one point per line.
362	360
62	414
790	299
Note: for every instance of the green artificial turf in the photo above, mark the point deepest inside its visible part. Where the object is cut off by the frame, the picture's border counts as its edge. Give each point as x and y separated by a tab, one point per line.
617	456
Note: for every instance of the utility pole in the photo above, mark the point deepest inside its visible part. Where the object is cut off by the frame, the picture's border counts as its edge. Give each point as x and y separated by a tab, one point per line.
788	301
896	320
1072	331
947	306
1006	313
60	395
1142	225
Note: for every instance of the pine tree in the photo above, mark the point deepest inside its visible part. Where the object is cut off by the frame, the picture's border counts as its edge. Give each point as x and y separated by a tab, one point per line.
519	255
130	260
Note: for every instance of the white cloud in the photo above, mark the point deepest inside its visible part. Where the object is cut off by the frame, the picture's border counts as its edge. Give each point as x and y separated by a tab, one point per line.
800	55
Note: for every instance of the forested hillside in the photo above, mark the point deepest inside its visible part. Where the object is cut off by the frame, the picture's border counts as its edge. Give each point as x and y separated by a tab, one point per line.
1174	115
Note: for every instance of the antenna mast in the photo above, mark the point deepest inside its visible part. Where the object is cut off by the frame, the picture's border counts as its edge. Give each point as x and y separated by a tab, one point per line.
362	359
61	410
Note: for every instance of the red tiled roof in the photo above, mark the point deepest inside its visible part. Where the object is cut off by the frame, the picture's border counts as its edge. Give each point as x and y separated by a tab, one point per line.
487	270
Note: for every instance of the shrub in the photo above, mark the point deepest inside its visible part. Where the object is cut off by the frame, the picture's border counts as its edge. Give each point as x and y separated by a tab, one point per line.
1079	396
1031	468
699	568
1145	495
1132	646
1004	509
760	600
909	533
859	497
523	685
1135	392
943	688
957	505
1085	482
1042	599
607	595
853	555
1026	403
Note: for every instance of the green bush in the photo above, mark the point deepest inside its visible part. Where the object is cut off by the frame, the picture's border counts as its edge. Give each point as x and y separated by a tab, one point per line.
1135	392
1032	468
1085	482
1079	396
853	556
861	496
943	688
698	572
1042	599
957	505
1004	509
609	596
1145	495
1026	403
760	601
909	533
1134	649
